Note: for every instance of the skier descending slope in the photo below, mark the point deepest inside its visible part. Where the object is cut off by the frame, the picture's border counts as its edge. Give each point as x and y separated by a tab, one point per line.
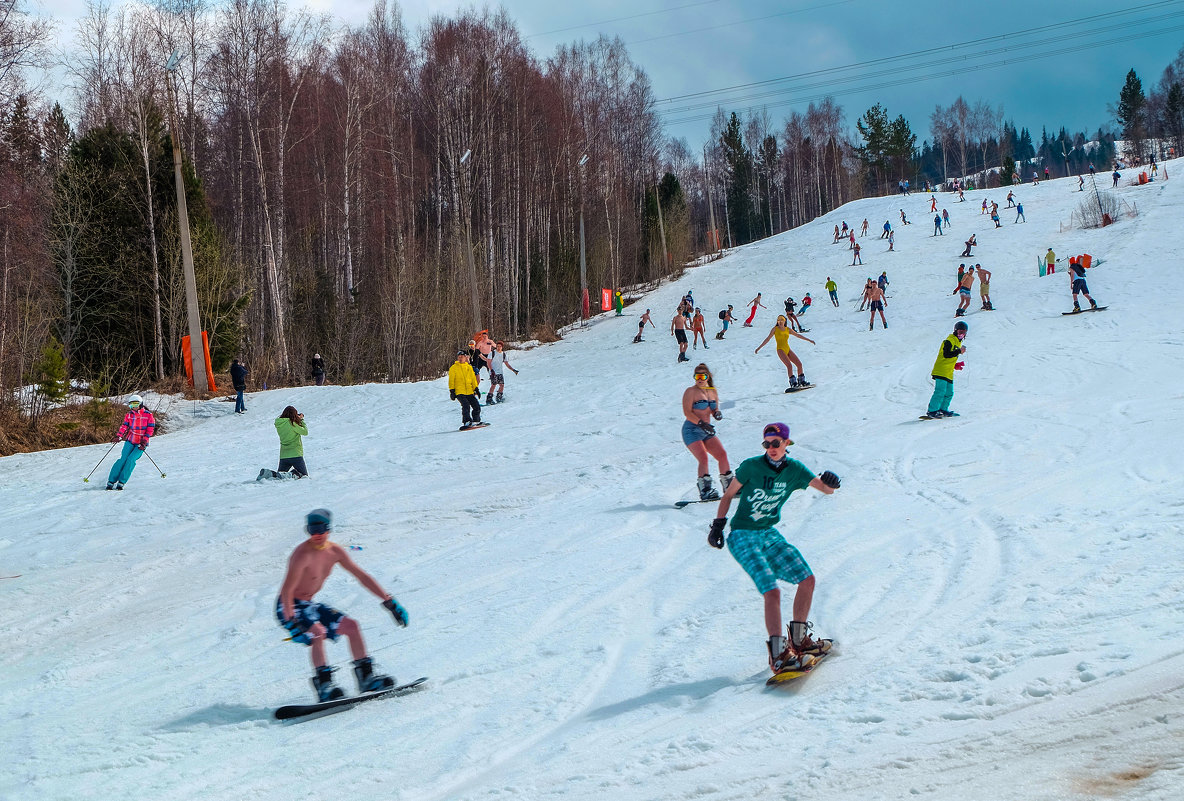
943	372
137	428
700	402
310	622
781	332
764	484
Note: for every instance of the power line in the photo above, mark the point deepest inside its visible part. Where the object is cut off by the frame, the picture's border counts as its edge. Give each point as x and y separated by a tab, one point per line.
928	51
830	92
718	26
958	57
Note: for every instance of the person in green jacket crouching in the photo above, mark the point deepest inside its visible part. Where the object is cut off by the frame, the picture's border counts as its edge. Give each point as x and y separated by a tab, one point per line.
291	427
943	372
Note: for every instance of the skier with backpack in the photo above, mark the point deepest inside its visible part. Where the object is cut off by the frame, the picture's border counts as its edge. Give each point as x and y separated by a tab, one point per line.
725	316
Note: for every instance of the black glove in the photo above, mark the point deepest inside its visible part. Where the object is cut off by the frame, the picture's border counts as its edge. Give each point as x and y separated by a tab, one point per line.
829	479
715	538
142	445
708	428
398	612
452	394
718	415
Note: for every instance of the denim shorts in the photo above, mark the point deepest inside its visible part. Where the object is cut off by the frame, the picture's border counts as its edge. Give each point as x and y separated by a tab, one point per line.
766	556
692	432
307	614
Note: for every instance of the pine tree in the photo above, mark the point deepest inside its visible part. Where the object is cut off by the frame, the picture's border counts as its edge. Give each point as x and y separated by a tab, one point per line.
873	127
900	145
1130	112
740	179
50	376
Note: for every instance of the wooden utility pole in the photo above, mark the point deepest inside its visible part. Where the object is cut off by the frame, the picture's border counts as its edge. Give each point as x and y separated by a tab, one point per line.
197	358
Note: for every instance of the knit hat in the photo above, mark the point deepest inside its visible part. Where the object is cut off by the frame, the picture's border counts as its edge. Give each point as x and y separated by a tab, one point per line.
318	521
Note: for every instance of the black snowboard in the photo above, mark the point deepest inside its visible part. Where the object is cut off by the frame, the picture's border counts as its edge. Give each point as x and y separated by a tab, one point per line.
473	427
303	710
1083	311
799	388
681	504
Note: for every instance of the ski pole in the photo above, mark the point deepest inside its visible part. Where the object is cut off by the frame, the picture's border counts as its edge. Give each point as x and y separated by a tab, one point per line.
105	455
154	464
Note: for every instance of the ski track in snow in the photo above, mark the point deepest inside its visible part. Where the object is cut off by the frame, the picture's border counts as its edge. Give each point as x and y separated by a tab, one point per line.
1004	586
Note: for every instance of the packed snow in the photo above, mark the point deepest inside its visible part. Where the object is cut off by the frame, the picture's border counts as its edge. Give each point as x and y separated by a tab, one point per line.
1005	587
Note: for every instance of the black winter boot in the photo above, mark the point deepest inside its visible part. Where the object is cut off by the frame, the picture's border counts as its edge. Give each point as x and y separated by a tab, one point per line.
368	680
323	684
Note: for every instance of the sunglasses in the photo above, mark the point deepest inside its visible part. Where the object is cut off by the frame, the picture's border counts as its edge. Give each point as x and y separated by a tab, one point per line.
317	528
776	442
700	376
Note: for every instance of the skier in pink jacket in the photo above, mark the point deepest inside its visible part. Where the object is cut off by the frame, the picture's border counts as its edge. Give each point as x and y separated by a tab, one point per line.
138	427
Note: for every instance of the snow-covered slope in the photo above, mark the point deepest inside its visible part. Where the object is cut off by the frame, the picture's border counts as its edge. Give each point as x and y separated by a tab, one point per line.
1005	586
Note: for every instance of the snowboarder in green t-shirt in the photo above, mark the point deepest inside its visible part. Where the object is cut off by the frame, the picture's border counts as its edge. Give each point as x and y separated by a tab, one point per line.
764	484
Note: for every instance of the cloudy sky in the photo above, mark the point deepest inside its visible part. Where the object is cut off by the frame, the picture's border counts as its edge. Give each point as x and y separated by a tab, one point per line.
1054	63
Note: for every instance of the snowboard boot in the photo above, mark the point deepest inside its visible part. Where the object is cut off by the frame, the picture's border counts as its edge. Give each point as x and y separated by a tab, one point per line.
802	382
960	313
322	682
1076	306
368	680
725	479
500	397
793	382
263	473
110	485
802	643
1093	304
707	490
871	325
782	656
637	339
682	357
489	399
118	486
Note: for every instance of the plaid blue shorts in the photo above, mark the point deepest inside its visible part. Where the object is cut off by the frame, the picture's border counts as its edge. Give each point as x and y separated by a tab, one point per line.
307	614
766	556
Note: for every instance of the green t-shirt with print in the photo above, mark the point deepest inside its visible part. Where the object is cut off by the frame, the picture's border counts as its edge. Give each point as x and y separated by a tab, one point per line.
765	490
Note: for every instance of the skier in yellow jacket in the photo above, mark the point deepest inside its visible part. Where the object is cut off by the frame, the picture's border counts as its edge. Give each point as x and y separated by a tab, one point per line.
462	386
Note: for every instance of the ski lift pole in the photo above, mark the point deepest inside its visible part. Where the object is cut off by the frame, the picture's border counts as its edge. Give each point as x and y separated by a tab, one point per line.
105	455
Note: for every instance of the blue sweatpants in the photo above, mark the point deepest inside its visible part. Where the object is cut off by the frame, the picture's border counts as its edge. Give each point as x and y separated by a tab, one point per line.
121	471
943	393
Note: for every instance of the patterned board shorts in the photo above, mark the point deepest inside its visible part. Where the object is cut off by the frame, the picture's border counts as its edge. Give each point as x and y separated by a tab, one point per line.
963	292
309	613
766	556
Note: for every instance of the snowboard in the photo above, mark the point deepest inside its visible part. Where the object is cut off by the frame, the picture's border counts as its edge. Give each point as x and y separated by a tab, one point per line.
1083	311
681	504
303	710
786	676
799	388
927	417
473	427
273	474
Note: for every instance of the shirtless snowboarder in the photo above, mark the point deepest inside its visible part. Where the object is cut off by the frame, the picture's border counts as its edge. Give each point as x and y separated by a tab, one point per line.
310	622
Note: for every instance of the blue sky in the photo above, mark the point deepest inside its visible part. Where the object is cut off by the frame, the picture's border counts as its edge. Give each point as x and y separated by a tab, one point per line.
689	46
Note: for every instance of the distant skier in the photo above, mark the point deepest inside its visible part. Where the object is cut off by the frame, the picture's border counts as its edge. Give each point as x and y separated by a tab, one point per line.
932	203
1116	176
963	291
832	289
725	316
1050	259
1010	199
887	229
238	377
903	219
891	240
619	303
943	372
1080	183
463	387
781	332
945	218
937	225
310	623
678	330
790	305
697	326
497	376
856	259
875	299
984	286
1046	176
1078	285
863	228
700	403
970	243
807	302
752	314
135	431
1019	214
882	282
645	318
763	484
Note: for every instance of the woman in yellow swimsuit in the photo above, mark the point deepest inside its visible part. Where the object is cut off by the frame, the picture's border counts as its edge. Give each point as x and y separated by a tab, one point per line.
782	332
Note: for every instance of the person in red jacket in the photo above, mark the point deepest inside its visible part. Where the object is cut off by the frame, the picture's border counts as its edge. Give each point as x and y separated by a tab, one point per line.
138	427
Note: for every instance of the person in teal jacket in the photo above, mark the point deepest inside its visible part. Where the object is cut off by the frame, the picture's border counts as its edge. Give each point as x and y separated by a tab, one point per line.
291	427
943	372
